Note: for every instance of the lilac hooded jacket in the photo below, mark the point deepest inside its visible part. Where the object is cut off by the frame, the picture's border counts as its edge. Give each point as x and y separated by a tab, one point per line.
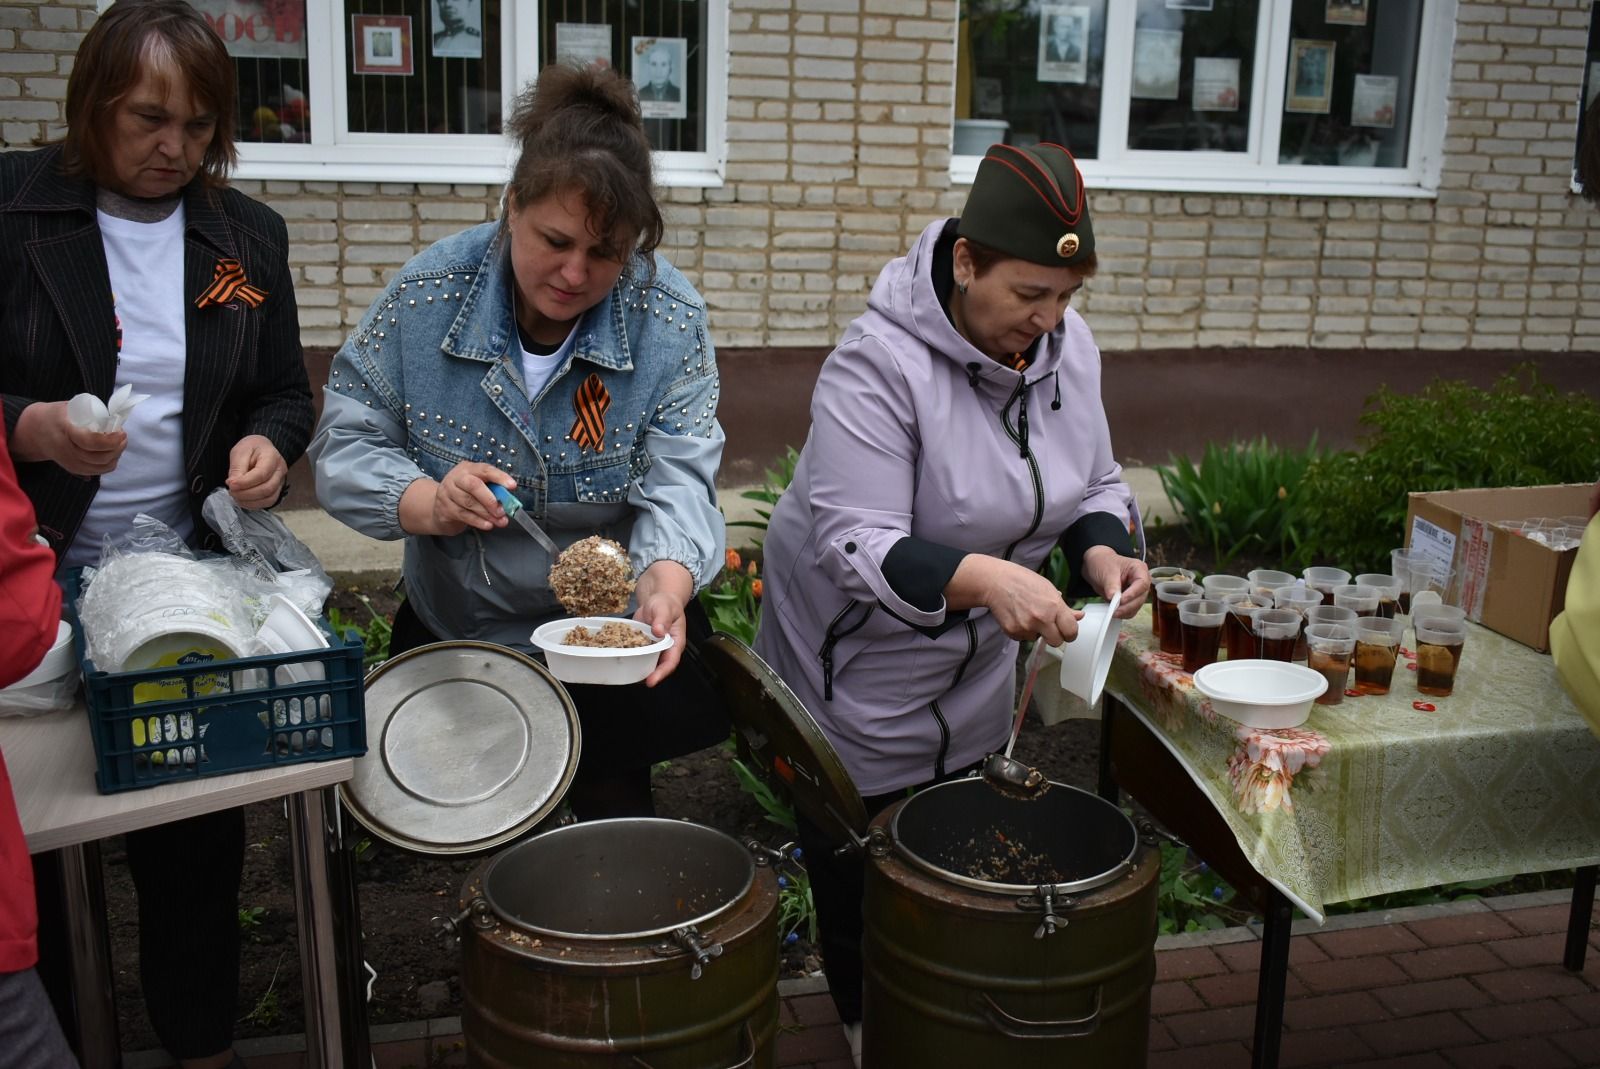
915	432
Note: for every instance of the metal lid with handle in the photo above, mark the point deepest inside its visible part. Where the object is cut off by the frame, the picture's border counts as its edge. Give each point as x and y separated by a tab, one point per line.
471	746
784	739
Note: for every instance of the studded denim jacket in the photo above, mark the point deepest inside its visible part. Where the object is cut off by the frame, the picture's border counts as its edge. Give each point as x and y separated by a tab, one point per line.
432	376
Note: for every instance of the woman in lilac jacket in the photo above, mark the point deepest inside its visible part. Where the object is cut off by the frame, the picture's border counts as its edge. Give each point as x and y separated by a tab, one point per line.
957	435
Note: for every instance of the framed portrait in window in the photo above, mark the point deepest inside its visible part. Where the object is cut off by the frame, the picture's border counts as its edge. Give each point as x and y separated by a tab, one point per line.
457	28
658	65
1310	86
1063	44
381	44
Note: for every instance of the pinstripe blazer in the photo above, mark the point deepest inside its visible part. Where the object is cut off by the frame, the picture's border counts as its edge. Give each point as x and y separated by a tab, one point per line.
245	372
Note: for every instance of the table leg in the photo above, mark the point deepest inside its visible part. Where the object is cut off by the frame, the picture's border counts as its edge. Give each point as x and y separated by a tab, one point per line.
1578	919
1110	709
1274	977
83	903
335	1006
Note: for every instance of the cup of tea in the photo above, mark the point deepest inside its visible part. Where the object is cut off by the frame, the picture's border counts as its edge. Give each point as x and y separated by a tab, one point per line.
1276	632
1298	597
1439	643
1331	614
1388	587
1362	599
1453	613
1168	595
1216	586
1323	580
1377	645
1266	580
1200	632
1163	574
1329	648
1237	637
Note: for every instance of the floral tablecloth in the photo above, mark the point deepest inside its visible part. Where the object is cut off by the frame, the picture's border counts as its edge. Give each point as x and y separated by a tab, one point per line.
1383	794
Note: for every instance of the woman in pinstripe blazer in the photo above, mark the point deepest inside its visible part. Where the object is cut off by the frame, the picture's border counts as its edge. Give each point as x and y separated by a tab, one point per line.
127	261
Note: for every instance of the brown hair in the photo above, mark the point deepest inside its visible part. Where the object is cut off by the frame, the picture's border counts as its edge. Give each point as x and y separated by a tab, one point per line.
579	130
113	57
985	257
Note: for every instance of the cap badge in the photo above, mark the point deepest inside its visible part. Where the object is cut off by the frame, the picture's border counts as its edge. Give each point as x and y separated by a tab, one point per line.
1067	246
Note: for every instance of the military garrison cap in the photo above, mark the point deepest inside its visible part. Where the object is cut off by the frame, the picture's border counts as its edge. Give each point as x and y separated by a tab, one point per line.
1029	202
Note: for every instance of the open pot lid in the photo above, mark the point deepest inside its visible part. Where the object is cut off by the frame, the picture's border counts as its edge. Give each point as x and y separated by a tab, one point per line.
471	746
784	739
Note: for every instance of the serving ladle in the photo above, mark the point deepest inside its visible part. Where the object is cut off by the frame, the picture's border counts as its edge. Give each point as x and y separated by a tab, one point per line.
1001	771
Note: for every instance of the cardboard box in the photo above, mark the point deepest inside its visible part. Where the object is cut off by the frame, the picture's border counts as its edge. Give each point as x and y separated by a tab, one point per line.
1506	582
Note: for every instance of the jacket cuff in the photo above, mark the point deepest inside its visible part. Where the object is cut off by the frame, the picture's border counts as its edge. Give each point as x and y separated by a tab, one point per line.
918	571
1091	530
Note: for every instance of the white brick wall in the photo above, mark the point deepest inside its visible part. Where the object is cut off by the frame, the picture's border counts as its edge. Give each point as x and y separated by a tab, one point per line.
839	138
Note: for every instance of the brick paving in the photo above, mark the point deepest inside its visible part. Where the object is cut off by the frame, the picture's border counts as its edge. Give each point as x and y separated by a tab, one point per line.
1476	985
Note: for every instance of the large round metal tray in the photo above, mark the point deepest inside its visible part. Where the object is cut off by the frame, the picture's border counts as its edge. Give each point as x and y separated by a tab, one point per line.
471	745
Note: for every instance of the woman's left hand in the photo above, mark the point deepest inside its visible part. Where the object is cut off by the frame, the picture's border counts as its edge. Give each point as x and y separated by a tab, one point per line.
1108	572
663	592
256	472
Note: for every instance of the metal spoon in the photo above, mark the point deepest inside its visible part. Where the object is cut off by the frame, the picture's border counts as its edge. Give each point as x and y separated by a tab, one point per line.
1005	773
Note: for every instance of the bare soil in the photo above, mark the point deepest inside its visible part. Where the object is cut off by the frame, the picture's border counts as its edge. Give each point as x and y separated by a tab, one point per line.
417	970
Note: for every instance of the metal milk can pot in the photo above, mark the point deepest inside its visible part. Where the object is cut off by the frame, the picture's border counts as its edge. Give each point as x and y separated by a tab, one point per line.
634	943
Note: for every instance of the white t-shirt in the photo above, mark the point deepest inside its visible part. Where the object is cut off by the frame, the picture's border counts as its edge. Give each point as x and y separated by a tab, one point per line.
146	266
538	370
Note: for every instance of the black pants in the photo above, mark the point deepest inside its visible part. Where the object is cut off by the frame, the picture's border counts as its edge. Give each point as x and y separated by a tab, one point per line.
186	875
838	888
626	730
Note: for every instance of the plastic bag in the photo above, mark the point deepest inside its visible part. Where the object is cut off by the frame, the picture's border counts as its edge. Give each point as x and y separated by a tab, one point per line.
263	541
46	697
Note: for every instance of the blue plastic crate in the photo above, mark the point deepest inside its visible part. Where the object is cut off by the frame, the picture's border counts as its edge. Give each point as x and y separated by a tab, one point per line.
162	725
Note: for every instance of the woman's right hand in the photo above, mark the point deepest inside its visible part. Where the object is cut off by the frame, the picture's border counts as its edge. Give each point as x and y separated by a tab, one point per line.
43	432
458	501
1024	603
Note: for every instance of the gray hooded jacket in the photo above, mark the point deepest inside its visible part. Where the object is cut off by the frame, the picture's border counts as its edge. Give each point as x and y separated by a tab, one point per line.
918	438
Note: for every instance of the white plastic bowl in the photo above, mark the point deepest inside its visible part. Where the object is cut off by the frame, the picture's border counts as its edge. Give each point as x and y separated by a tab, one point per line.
1261	694
57	661
597	664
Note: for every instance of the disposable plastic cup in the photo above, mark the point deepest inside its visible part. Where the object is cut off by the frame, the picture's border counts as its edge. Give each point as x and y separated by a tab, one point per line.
1200	623
1329	650
1388	587
1363	599
1377	646
1216	586
1168	595
1276	630
1266	580
1323	580
1298	597
1166	573
1439	645
1418	572
1237	637
1331	614
1451	613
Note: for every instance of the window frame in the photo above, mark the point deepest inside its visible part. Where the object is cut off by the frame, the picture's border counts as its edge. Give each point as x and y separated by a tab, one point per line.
335	154
1118	167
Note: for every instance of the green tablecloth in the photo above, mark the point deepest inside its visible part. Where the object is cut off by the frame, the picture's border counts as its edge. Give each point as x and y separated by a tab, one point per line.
1372	795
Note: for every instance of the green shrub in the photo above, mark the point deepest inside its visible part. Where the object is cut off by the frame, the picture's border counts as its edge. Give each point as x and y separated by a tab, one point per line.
774	481
1245	496
1449	436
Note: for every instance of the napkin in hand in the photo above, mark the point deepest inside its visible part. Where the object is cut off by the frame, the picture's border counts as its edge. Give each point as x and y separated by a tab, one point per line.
89	412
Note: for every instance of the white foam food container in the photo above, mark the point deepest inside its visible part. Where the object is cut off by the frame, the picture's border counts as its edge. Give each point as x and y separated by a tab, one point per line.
58	661
1260	693
597	664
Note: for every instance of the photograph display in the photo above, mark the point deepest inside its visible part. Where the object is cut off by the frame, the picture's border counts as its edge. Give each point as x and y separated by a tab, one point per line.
1063	44
1372	101
382	44
1346	12
458	29
1216	84
658	64
1310	88
1157	62
585	43
1189	5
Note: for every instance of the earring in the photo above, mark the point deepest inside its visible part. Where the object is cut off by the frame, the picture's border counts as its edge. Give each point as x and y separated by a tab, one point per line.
962	286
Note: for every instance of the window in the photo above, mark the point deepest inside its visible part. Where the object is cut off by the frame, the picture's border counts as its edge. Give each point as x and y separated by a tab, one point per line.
1303	96
353	89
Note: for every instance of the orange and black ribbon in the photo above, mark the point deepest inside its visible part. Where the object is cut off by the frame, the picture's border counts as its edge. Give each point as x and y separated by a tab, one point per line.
591	402
227	284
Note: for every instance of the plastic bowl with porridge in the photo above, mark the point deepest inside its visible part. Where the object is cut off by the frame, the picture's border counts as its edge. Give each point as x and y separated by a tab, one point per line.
573	659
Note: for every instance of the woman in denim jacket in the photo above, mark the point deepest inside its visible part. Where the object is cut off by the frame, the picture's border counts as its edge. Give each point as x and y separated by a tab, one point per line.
554	354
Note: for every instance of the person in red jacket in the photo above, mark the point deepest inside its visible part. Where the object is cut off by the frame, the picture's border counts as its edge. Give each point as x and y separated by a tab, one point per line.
30	607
